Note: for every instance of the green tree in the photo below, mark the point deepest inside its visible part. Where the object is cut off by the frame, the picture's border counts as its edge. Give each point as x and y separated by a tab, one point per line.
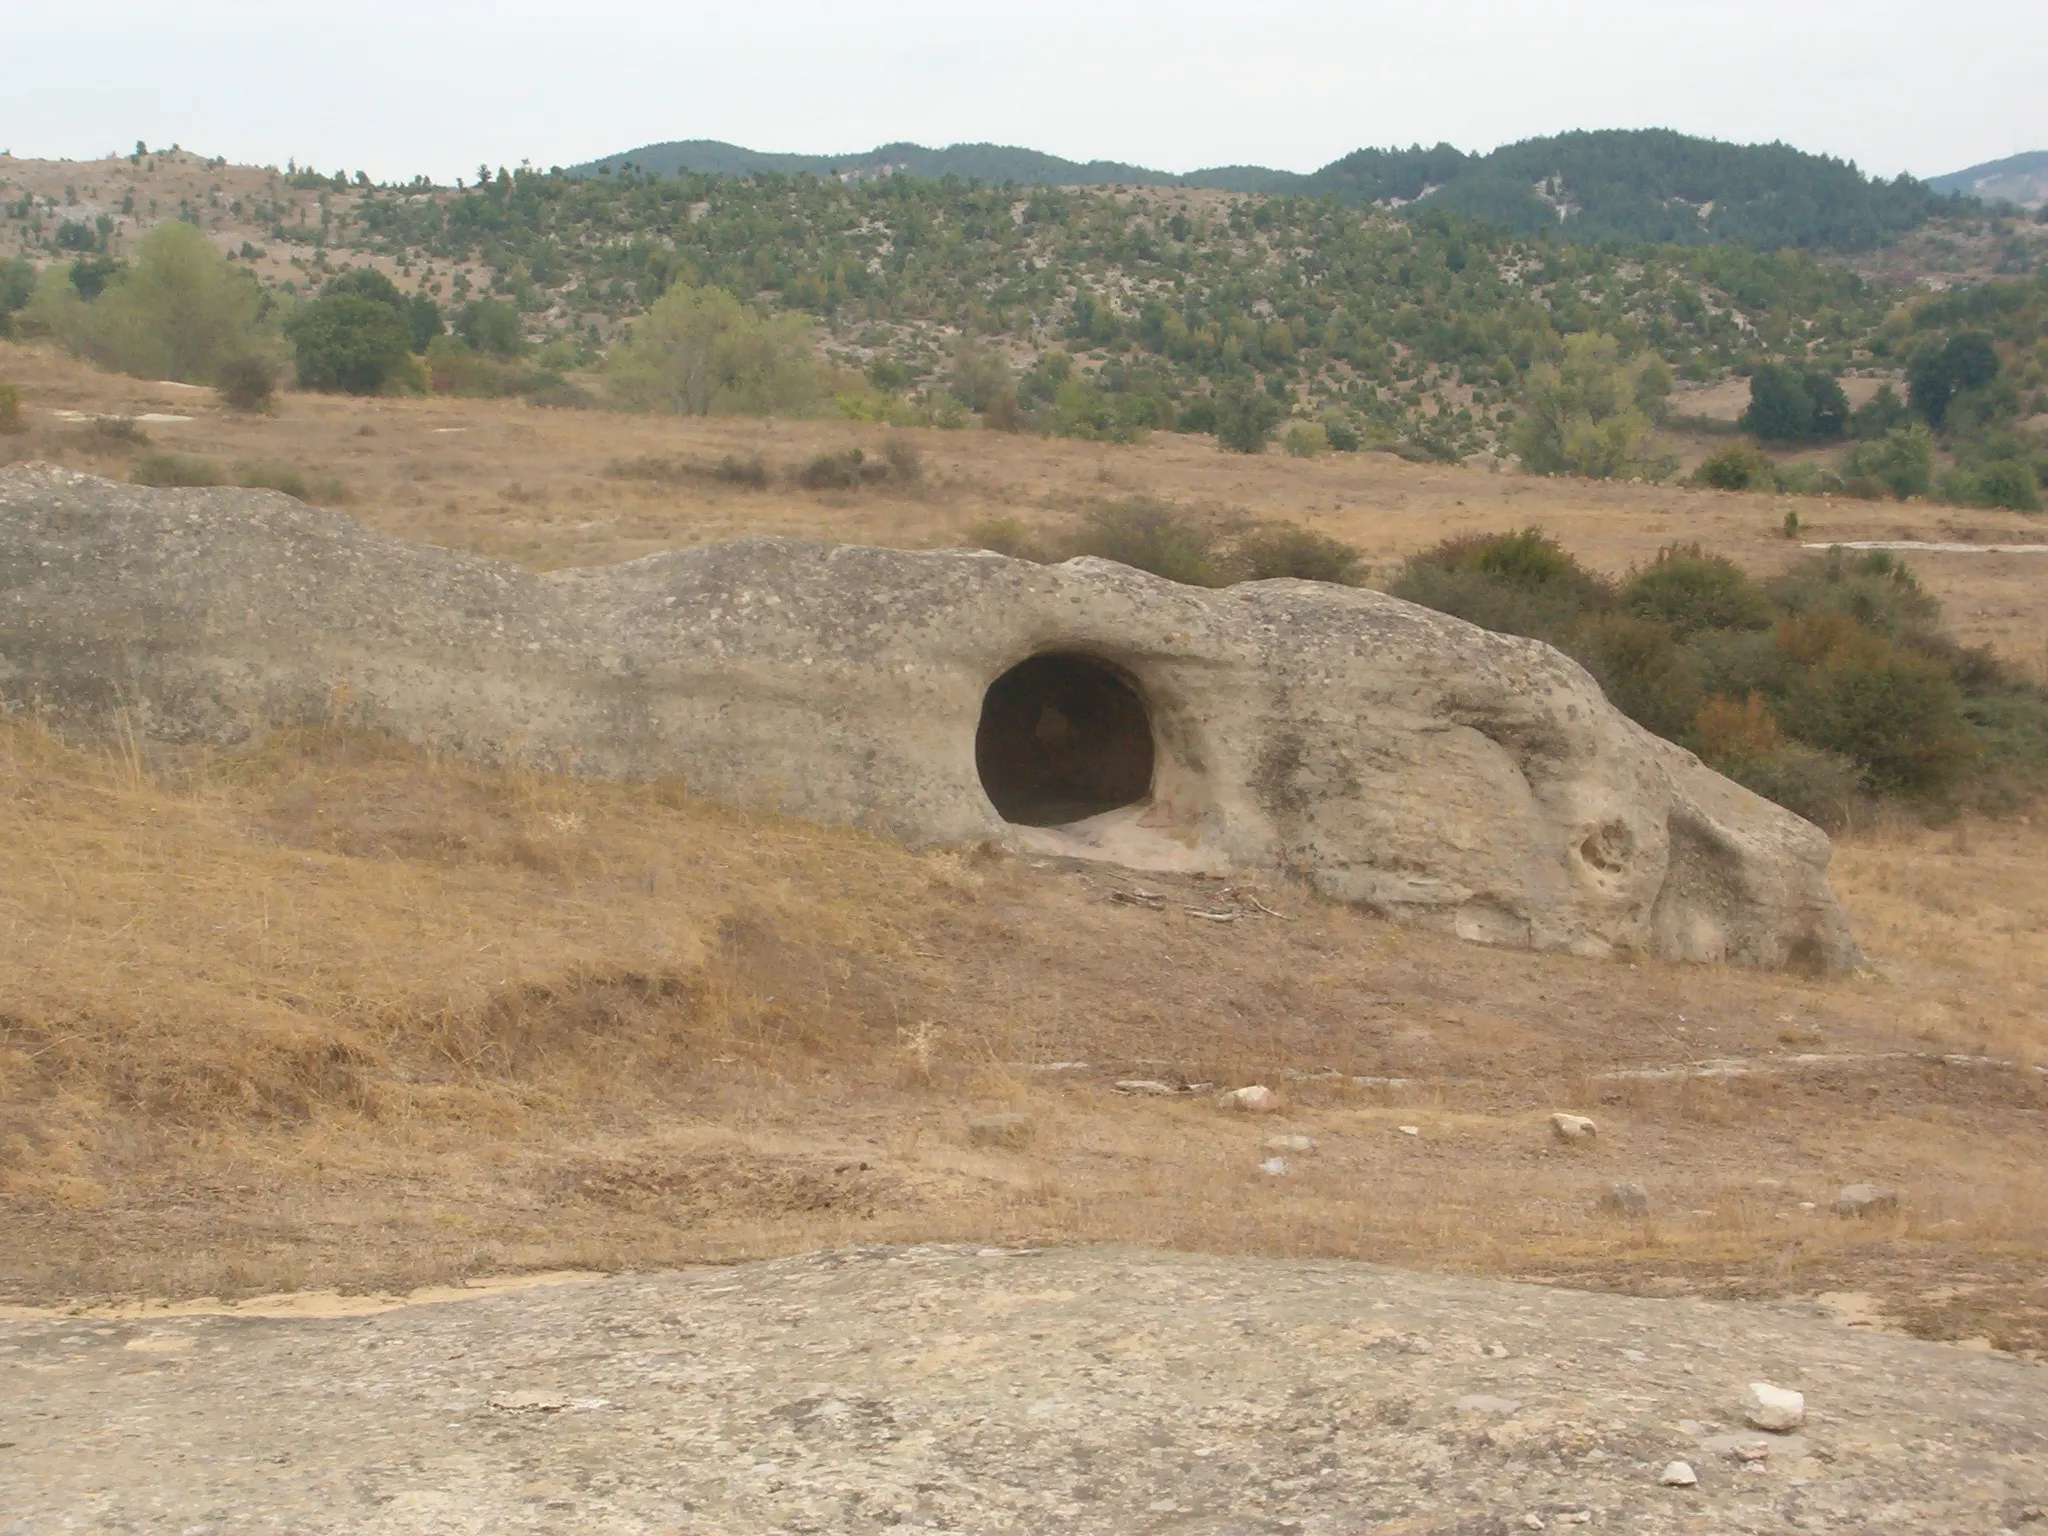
1902	461
700	350
343	341
180	312
1581	414
491	325
1936	376
1245	418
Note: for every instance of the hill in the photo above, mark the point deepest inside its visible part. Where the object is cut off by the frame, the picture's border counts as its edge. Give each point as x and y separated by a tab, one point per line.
2021	179
986	162
1618	184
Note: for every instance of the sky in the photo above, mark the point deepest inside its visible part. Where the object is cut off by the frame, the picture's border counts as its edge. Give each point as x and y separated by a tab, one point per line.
436	87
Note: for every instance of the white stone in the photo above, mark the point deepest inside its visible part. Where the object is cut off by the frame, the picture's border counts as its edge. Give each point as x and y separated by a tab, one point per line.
1274	1167
1774	1408
1865	1200
1410	1130
1257	1099
1480	1402
1572	1128
1679	1474
1411	740
1290	1144
1143	1086
1626	1199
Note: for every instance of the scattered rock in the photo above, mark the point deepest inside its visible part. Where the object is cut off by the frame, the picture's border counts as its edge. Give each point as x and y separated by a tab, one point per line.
1144	1085
1533	1521
1410	1130
1494	1351
1626	1199
1005	1130
1480	1402
1274	1167
1774	1408
528	1402
1572	1128
1865	1200
1290	1144
1679	1474
1257	1099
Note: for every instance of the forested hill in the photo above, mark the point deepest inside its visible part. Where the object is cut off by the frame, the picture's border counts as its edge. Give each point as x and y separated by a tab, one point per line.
1620	184
993	163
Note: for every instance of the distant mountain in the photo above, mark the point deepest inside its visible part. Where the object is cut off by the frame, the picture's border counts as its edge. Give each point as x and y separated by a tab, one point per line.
1618	184
2021	179
988	162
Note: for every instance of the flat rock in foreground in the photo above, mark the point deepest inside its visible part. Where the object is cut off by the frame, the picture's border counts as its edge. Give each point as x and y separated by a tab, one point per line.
954	1390
1381	753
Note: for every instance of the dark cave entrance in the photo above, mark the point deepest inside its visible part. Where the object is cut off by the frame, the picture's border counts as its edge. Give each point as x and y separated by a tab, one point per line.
1062	737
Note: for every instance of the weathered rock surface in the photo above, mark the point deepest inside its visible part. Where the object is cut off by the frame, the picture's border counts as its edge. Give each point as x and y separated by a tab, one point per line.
1384	754
945	1389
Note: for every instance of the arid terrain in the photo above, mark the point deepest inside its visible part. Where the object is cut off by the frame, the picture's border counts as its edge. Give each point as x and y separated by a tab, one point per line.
327	1012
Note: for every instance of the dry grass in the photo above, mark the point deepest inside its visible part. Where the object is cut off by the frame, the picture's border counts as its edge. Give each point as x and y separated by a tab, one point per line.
333	1012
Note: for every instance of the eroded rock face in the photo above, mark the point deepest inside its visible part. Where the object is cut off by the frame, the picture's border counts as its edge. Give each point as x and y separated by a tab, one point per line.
1380	752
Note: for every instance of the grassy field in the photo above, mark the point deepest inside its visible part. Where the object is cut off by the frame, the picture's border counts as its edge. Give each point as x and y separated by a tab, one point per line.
333	1013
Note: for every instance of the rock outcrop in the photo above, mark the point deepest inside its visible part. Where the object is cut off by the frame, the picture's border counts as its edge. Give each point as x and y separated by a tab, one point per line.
1381	753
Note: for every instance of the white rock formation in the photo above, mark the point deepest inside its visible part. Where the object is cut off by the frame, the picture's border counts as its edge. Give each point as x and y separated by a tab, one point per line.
1379	752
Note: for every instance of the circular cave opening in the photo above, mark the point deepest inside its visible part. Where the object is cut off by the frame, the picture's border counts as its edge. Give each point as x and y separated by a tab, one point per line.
1062	737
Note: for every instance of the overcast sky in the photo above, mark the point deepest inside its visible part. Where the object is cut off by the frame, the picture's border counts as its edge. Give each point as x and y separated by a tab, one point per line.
436	86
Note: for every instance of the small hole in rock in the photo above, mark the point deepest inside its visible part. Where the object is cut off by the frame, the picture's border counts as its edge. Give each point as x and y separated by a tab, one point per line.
1062	737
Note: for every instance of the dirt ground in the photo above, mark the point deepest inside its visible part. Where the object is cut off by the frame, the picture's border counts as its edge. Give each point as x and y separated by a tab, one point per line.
329	1013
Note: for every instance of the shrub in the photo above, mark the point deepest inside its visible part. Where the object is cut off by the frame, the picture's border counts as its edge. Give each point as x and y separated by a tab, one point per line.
1896	714
1689	590
1149	536
1728	733
1004	414
1790	406
700	350
1343	436
1737	467
247	382
1245	418
751	472
10	408
1198	415
180	312
1644	672
119	432
176	469
1873	587
345	342
1305	440
488	325
1820	786
1290	550
904	459
1585	414
1005	535
838	469
2008	482
1902	461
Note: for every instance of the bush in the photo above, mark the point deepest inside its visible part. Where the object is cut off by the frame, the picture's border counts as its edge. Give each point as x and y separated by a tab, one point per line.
2009	483
343	341
839	469
247	382
176	469
1198	415
491	326
1790	406
1585	414
751	472
1149	536
1902	461
180	312
10	408
1517	583
1644	672
905	460
1305	441
1245	418
1343	437
1897	714
1689	590
1737	467
1289	550
259	475
1872	587
700	350
1820	786
1005	535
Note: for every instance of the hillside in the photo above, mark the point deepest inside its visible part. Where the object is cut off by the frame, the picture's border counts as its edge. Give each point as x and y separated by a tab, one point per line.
2020	179
1622	184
